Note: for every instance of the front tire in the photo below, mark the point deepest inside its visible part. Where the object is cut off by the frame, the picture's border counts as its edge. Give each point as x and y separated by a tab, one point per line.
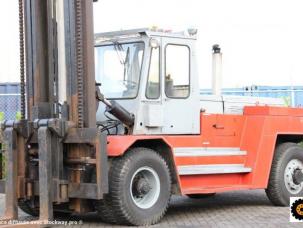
139	188
286	175
28	207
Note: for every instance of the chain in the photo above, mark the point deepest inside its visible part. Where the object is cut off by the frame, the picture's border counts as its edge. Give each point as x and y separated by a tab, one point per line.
22	62
79	60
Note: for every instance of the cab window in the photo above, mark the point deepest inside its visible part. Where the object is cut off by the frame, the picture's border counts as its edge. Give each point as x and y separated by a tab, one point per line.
153	82
177	71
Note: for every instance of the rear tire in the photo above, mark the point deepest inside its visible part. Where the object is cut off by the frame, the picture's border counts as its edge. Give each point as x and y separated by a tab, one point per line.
283	181
139	188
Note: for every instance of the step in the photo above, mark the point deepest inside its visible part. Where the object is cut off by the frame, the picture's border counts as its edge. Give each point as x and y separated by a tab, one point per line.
208	151
213	169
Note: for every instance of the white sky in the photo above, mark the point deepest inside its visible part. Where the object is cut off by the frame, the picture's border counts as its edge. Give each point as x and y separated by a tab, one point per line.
261	40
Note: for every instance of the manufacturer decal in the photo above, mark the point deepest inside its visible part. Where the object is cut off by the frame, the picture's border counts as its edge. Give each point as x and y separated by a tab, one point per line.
296	209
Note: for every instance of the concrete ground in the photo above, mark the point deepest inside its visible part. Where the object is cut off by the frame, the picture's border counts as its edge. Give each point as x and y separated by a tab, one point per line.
232	209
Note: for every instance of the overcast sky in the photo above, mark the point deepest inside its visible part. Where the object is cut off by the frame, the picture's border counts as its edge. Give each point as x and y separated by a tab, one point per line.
261	40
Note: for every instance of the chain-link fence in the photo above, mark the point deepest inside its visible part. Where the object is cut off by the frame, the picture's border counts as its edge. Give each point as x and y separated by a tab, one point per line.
10	102
9	106
292	96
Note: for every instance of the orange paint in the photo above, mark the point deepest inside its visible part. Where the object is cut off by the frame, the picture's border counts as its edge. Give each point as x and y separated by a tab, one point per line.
255	131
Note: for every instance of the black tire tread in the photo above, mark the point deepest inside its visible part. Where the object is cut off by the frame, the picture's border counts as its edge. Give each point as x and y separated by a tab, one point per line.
24	205
273	190
118	168
104	210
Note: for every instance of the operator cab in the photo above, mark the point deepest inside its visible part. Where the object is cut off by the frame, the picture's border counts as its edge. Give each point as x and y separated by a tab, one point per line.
152	74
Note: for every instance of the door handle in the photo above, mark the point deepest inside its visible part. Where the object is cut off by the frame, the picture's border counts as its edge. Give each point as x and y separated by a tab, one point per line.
217	126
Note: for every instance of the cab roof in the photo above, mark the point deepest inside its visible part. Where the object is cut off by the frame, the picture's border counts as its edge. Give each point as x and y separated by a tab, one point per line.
137	33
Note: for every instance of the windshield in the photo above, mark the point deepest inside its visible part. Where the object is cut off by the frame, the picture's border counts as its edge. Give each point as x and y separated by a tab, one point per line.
118	68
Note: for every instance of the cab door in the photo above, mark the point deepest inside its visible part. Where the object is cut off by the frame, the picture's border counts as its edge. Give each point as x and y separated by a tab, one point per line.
180	90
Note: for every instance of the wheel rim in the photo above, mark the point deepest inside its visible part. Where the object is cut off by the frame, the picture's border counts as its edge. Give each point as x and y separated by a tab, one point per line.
291	169
145	187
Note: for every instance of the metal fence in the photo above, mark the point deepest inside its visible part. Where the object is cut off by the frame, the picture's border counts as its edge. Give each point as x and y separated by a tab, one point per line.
9	100
293	96
9	106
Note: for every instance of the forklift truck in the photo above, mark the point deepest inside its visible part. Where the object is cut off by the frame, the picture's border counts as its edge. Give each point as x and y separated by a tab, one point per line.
114	123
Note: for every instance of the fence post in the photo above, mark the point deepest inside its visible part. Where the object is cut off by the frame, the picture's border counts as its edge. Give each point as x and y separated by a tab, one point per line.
293	98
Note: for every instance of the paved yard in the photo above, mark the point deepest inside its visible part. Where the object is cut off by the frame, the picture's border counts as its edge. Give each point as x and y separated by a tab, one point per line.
234	209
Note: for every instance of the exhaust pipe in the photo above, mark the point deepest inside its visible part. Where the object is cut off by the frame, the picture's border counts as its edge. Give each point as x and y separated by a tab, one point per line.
217	70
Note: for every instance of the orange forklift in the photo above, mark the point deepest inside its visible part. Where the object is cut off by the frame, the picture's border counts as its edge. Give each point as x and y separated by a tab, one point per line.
114	123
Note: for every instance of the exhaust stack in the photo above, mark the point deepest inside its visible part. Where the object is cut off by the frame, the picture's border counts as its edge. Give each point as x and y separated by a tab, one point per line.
217	70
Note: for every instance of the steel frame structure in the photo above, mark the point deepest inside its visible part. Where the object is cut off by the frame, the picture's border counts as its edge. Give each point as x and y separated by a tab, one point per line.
48	150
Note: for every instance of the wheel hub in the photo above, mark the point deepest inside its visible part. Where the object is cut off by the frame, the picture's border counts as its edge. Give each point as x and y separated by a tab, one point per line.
293	176
142	186
298	176
145	187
